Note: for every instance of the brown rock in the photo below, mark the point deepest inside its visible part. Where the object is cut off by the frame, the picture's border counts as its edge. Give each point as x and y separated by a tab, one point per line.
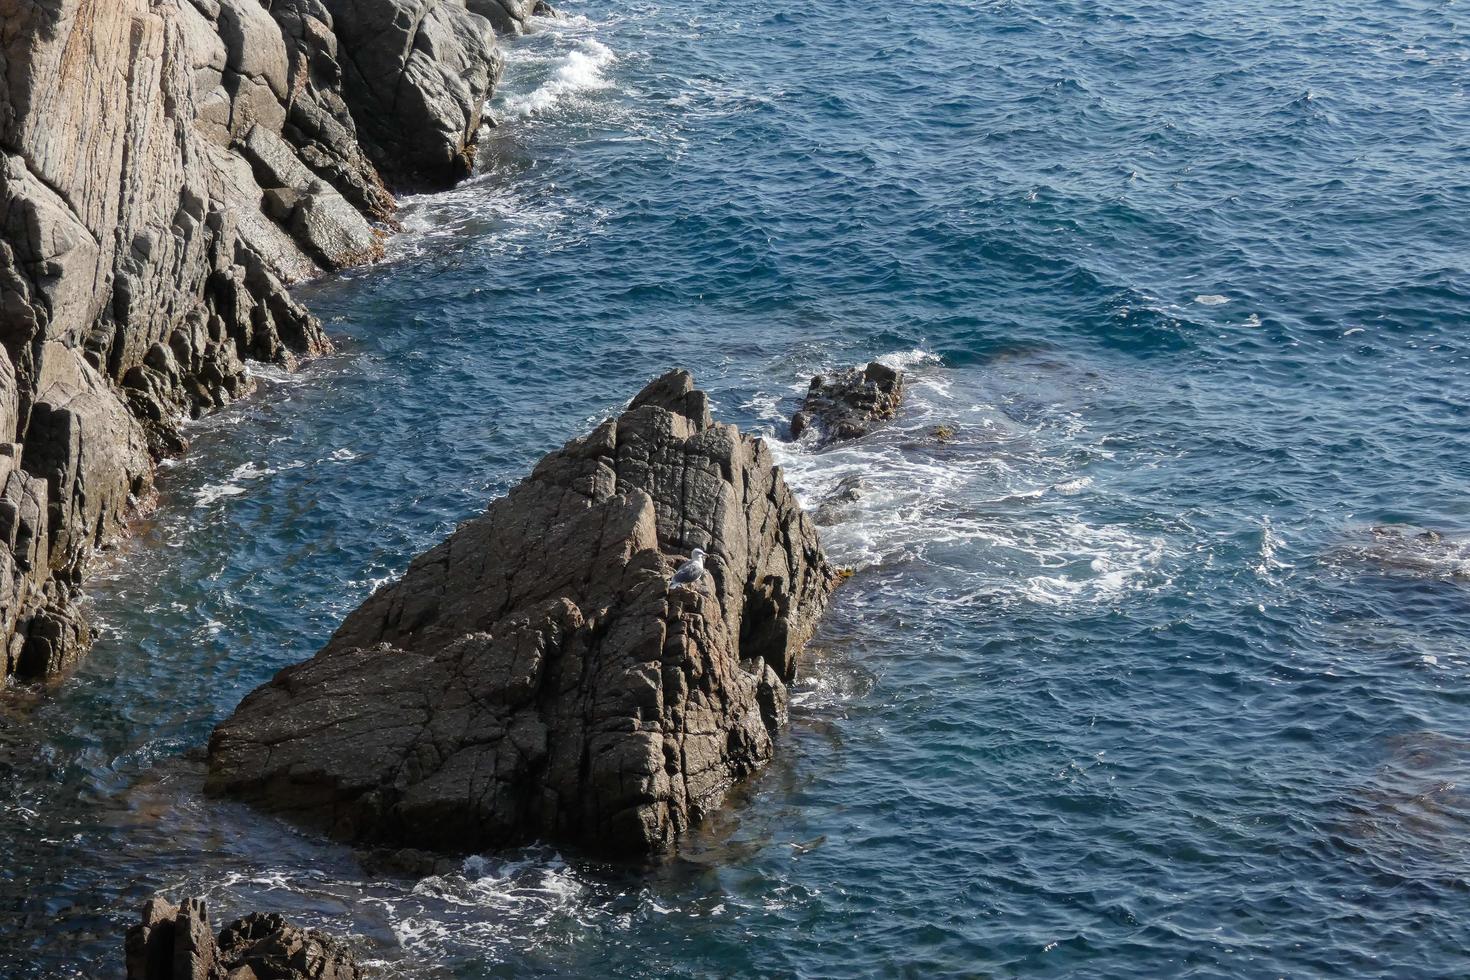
848	404
175	943
535	676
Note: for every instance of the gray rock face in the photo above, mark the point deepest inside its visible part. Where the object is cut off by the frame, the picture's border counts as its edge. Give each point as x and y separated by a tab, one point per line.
167	168
175	943
535	676
848	404
416	76
506	16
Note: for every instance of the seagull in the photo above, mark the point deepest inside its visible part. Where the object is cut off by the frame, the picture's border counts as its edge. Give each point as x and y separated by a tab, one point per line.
691	571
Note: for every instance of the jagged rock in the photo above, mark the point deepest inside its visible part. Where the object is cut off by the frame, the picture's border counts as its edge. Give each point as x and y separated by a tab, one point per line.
416	75
167	169
333	230
847	405
175	943
535	677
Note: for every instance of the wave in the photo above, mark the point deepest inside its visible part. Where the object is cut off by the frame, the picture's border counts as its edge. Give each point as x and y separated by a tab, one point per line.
579	70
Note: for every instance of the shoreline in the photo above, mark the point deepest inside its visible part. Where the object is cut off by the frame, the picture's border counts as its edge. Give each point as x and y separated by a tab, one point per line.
281	123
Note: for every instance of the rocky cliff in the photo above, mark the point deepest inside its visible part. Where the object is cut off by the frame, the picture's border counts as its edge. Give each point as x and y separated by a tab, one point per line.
538	675
167	169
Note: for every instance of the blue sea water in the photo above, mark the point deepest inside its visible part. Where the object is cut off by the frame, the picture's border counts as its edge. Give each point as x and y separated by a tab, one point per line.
1154	669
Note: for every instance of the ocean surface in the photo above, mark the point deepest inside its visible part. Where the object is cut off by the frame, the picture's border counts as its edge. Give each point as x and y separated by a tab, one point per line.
1159	667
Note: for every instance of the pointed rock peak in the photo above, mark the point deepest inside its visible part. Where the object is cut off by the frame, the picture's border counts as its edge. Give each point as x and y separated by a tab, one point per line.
675	392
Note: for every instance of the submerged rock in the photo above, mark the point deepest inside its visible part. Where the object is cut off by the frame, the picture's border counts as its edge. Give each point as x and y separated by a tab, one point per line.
1405	549
174	942
535	676
837	506
848	404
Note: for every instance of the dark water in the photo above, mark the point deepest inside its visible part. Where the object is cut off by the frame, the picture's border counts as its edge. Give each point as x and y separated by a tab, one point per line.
1126	683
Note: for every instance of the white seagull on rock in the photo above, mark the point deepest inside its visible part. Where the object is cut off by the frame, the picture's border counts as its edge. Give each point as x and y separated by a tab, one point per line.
691	571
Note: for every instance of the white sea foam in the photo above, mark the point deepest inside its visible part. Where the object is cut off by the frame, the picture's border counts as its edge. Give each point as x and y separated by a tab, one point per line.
250	471
998	510
215	492
488	902
272	374
1271	543
579	70
909	359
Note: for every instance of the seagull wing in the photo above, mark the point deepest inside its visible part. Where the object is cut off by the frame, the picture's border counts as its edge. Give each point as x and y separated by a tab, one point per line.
688	572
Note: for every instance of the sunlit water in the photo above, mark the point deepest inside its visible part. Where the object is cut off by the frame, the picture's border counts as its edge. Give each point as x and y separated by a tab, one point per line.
1126	682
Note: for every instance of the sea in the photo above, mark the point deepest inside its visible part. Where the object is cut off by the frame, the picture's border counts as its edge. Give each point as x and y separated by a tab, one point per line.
1156	658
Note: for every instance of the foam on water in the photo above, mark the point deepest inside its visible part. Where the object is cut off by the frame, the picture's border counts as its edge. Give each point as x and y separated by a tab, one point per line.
985	486
560	62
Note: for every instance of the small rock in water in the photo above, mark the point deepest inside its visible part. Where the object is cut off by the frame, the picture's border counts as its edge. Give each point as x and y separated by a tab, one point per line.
848	404
836	506
174	942
1405	548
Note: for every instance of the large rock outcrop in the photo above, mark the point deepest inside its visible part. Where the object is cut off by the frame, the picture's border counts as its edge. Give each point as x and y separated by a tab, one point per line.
174	942
535	676
167	168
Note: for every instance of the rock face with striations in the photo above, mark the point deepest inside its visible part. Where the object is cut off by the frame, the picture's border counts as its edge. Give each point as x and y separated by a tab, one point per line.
535	676
174	942
848	404
415	73
167	168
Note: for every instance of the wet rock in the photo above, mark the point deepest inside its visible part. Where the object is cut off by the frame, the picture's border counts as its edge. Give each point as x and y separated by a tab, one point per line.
1405	549
175	943
167	169
837	505
535	676
849	404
